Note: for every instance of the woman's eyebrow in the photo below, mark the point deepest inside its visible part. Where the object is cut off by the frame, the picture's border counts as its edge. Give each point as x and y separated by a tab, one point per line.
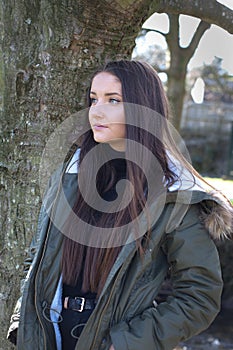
107	94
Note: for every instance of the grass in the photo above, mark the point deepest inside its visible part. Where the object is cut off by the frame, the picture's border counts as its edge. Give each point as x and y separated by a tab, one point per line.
226	186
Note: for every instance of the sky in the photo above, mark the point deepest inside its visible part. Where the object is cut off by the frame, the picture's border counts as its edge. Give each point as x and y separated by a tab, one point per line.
215	42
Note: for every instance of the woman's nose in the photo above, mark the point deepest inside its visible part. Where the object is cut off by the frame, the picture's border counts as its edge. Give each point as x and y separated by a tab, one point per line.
97	110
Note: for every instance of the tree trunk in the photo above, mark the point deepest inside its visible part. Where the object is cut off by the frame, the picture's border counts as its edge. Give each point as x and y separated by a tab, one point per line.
179	59
176	94
49	49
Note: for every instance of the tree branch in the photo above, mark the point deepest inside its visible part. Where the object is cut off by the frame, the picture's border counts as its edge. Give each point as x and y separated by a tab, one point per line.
202	27
153	30
209	11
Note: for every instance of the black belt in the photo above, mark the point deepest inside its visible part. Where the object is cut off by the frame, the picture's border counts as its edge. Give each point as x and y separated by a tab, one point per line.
79	304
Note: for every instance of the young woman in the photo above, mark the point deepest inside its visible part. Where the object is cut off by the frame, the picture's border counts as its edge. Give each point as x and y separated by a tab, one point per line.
139	212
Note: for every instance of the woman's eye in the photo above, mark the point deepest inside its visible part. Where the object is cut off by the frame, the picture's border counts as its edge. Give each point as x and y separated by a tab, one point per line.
93	100
114	101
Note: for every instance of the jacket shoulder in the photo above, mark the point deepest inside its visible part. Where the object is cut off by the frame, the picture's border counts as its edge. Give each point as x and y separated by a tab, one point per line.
215	211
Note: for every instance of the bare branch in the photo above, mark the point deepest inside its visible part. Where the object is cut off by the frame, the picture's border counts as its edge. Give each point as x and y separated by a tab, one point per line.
154	30
201	29
209	11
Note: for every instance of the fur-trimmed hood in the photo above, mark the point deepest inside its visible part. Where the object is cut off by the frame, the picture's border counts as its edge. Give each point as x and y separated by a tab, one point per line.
217	215
216	209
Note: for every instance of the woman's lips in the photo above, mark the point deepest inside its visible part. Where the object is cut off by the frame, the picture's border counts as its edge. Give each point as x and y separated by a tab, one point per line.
99	127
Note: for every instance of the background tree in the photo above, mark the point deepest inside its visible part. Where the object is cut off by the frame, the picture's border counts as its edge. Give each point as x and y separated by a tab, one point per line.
218	83
179	59
48	48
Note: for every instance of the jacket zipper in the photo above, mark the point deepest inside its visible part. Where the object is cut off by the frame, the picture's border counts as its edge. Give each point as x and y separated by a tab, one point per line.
106	305
45	245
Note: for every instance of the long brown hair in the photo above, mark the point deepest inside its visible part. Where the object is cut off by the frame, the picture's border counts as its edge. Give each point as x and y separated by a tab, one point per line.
141	89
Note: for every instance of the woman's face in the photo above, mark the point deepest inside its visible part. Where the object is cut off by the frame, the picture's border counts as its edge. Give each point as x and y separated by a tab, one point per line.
106	114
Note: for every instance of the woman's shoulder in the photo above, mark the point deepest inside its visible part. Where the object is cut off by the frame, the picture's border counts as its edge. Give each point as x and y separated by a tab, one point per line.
210	207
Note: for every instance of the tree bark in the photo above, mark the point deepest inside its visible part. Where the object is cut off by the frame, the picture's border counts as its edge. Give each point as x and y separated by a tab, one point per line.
48	52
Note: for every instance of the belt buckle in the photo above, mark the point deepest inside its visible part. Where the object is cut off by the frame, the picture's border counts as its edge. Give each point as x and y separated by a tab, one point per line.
82	304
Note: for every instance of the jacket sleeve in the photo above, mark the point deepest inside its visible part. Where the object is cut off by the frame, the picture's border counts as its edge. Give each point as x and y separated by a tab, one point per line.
195	301
32	251
36	243
14	321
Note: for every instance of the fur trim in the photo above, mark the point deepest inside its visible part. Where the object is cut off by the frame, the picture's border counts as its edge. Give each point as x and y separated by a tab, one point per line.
217	215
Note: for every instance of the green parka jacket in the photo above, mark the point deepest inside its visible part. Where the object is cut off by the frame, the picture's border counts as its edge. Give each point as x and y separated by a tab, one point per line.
126	314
